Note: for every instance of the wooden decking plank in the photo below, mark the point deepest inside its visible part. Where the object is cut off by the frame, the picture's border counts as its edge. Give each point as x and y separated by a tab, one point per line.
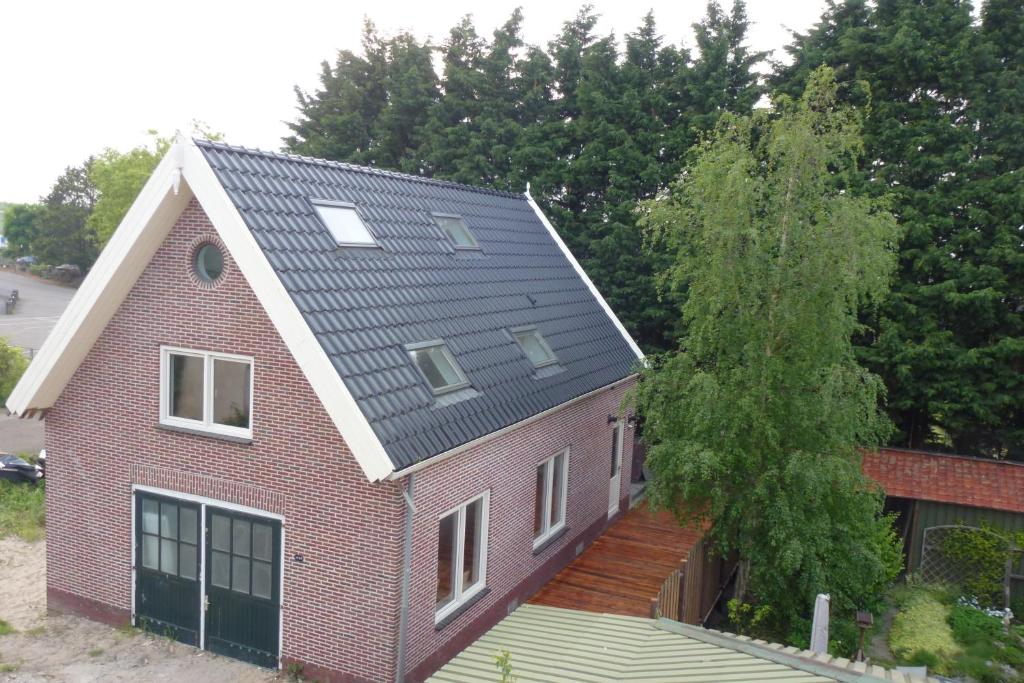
624	568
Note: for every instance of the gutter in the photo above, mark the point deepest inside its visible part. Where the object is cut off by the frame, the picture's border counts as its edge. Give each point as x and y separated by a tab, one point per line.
398	474
403	615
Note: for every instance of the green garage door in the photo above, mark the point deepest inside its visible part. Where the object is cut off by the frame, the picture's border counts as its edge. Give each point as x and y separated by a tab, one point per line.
167	587
243	586
239	615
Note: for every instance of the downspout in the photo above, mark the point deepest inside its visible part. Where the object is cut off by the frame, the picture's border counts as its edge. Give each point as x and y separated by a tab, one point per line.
403	615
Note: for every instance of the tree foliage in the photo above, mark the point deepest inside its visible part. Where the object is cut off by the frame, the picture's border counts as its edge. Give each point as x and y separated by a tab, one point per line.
591	123
21	228
943	139
755	423
118	178
12	365
63	234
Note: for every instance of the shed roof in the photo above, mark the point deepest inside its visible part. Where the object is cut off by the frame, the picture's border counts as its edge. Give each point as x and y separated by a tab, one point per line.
549	645
364	306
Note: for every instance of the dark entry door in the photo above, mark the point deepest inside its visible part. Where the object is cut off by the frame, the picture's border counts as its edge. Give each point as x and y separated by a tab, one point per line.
167	588
243	572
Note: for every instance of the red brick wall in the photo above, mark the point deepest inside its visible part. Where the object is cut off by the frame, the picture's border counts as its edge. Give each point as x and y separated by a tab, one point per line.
102	436
507	467
948	478
341	604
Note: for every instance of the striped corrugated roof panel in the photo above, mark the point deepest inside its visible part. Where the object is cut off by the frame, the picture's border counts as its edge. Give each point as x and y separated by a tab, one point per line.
554	645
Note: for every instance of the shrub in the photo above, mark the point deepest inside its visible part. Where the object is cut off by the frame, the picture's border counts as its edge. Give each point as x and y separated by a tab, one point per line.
981	554
12	365
922	627
970	625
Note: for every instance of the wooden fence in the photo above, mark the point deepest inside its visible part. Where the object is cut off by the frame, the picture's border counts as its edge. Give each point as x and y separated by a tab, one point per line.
690	593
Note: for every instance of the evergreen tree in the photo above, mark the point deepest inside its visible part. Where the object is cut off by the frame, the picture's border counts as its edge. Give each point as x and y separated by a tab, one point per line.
948	340
63	232
21	227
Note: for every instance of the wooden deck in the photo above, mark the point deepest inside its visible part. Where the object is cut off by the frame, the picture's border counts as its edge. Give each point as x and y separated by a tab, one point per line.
624	568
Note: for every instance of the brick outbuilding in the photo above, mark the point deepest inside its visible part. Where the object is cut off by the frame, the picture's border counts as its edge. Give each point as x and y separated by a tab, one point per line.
302	411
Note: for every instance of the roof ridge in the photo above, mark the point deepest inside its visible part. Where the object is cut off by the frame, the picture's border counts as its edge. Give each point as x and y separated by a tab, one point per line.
370	170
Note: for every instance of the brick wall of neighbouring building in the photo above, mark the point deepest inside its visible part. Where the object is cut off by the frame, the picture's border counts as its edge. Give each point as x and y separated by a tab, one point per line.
341	604
994	484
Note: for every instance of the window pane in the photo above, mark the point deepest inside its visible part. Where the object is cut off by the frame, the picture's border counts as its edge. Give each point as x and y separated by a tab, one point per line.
262	542
188	524
457	231
150	552
150	516
186	377
169	520
538	506
471	549
615	450
189	560
437	367
262	577
557	482
231	393
446	559
242	531
534	348
168	556
220	574
240	574
345	225
221	532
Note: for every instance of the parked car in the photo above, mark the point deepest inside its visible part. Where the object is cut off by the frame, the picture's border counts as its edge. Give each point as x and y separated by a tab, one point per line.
13	468
26	261
68	270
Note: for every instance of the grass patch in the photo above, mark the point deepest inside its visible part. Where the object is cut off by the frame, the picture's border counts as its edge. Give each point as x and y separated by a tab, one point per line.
23	510
96	653
921	634
6	668
5	628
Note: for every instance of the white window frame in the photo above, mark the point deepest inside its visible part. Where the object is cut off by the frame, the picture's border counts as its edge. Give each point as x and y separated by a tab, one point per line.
547	530
532	330
449	356
463	594
349	206
206	424
475	246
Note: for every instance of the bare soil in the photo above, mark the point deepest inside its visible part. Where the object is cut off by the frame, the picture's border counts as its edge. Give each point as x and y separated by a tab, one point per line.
67	649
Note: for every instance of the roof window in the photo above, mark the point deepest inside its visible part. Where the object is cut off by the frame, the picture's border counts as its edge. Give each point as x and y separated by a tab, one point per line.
344	224
438	366
534	346
457	231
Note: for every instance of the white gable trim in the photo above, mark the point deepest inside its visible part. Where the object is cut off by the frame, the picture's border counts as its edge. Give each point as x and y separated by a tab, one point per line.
586	278
129	251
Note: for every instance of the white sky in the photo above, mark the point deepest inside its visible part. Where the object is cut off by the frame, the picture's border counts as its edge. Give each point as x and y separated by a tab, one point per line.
76	77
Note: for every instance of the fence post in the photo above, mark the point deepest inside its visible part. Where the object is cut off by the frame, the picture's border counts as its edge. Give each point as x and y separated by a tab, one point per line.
682	590
654	608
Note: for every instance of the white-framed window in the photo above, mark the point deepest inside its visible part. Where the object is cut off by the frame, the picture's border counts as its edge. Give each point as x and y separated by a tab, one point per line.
438	366
207	391
343	222
461	554
457	231
534	346
552	484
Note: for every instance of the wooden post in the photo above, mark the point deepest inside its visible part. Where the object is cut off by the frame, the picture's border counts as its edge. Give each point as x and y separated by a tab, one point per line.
654	608
682	591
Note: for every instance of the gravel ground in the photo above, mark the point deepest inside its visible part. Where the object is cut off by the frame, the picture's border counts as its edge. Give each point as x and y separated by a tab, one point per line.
68	649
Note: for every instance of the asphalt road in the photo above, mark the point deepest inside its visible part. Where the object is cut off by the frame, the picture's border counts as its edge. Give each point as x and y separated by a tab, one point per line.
40	304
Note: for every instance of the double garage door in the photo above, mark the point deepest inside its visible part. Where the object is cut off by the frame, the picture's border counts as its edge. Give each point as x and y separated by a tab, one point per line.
208	576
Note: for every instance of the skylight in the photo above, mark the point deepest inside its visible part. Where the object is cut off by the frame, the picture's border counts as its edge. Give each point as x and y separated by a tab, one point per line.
438	366
534	346
457	231
345	225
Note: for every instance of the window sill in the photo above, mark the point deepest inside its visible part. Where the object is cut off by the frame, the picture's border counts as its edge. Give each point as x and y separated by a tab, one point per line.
449	618
202	432
550	540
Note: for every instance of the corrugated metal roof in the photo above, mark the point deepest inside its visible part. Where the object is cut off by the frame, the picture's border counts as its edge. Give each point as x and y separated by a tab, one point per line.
364	305
551	645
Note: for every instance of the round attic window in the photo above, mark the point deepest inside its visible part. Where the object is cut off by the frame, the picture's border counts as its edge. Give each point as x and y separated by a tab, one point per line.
209	262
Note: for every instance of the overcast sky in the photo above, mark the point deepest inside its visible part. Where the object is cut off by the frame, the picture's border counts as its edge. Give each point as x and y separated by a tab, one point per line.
79	76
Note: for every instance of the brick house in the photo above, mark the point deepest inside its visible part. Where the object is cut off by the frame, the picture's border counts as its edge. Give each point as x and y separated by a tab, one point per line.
303	411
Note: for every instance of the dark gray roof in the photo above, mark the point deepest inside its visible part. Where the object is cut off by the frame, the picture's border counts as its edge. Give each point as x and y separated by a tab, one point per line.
364	305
